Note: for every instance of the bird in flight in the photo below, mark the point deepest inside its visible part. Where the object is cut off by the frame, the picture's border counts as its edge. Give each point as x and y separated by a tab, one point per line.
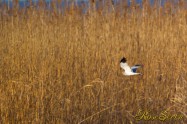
127	69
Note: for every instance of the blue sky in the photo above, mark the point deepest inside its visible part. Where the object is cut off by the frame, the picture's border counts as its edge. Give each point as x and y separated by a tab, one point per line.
138	1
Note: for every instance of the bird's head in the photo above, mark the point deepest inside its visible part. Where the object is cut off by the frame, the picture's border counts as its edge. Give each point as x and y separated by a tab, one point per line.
123	60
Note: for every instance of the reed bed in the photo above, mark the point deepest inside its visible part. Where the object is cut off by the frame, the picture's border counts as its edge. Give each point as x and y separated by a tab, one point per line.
64	68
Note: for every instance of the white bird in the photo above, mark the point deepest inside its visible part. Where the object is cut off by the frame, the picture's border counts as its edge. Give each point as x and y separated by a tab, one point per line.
129	70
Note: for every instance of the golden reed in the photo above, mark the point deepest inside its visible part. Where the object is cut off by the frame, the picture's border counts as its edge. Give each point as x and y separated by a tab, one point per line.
63	67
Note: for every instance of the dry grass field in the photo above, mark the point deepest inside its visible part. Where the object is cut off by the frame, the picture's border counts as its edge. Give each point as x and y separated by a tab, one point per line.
65	69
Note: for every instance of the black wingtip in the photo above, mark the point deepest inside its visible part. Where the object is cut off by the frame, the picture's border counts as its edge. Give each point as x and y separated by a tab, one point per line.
123	60
139	65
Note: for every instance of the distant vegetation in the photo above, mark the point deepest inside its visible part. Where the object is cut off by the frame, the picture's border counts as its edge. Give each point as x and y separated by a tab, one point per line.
64	68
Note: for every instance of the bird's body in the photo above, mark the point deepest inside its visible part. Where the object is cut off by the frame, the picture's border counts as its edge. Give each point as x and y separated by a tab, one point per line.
127	69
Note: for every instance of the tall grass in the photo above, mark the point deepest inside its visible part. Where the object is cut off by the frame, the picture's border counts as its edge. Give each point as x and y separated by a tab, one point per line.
58	68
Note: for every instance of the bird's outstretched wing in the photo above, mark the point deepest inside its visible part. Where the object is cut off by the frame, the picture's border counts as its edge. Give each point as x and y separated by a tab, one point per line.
135	67
125	67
